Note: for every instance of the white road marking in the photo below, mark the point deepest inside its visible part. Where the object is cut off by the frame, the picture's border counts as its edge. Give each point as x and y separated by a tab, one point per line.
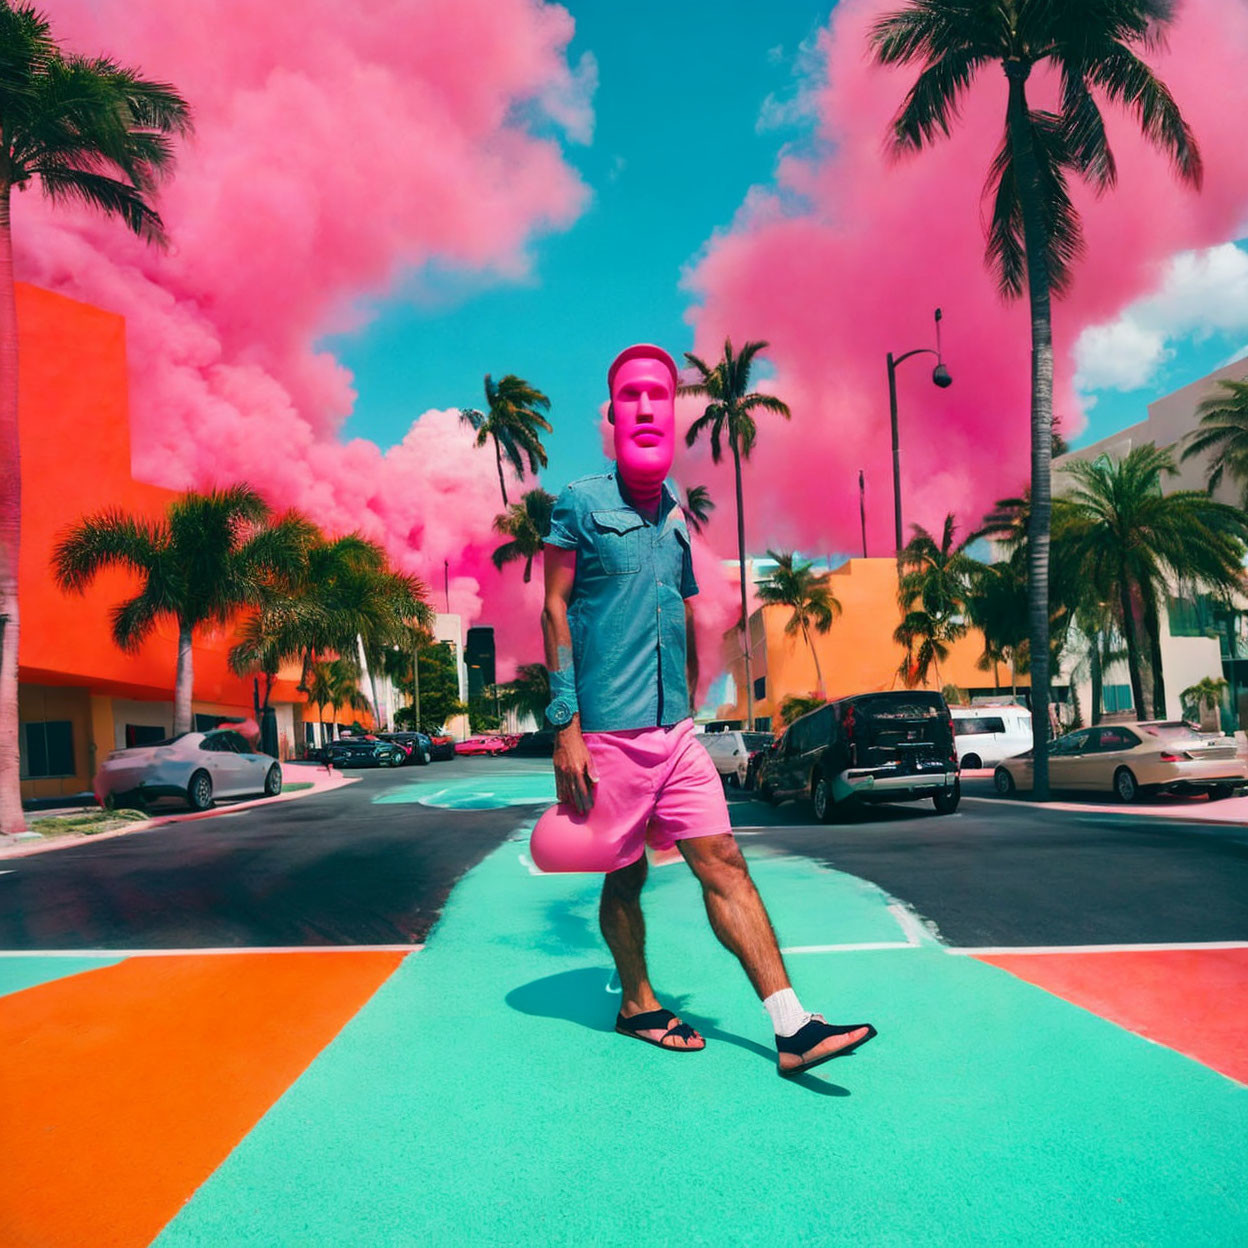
528	864
8	872
865	945
910	924
1159	947
170	953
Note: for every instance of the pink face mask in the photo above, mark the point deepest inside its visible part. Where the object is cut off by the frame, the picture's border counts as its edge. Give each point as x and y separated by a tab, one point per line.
643	413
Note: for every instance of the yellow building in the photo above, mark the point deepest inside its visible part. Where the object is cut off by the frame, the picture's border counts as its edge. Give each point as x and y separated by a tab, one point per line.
857	655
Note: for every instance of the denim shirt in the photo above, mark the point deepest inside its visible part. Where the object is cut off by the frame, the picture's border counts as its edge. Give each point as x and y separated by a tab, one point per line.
627	612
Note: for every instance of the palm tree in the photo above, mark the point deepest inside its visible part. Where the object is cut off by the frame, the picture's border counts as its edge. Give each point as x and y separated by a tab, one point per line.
932	593
529	693
730	413
211	556
809	598
513	418
1224	433
1130	543
88	131
526	524
698	507
996	604
797	705
1206	692
1034	236
335	683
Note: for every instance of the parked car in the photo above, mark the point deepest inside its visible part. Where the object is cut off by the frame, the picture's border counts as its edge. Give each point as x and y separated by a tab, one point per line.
872	747
540	744
365	752
985	735
442	747
483	745
197	766
1130	759
731	752
417	746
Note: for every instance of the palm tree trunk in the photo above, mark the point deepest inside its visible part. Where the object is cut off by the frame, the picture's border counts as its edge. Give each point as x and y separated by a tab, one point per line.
1152	626
814	654
184	682
1098	680
498	458
1035	241
372	681
1133	648
745	616
12	820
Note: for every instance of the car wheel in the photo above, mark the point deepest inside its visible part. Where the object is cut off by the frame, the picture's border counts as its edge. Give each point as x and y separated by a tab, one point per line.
273	781
1003	782
1126	786
1219	792
972	762
825	805
425	758
946	801
199	791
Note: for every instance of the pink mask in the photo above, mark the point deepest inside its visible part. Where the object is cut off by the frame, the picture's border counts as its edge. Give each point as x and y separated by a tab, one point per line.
643	413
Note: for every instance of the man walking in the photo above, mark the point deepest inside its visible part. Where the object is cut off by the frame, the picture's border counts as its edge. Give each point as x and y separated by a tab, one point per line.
618	630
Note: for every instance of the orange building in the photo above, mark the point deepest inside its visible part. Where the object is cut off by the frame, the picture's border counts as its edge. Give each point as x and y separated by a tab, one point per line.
857	655
79	696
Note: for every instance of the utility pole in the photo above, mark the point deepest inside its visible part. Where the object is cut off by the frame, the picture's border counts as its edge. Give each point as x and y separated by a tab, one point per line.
862	508
446	583
416	685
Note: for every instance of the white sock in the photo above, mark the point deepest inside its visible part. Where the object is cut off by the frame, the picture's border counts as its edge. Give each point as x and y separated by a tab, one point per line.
787	1015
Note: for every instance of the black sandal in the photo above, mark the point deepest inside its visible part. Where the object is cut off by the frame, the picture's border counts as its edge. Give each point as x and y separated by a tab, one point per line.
652	1022
813	1033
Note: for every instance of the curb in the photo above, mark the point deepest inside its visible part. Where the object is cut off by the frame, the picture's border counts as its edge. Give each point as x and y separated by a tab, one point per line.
28	848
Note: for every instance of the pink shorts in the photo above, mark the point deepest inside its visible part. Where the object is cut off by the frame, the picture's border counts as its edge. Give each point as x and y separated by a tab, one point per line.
655	786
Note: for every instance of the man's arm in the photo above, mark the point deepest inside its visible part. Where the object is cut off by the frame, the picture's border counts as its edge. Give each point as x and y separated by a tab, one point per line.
574	769
691	656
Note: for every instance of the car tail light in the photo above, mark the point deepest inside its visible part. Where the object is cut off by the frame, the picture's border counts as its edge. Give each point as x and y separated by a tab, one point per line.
1167	757
848	724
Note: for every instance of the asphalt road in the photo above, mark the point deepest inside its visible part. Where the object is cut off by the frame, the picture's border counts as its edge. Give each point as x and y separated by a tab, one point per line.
340	868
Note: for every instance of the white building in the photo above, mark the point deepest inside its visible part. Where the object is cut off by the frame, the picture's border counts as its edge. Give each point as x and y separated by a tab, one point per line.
1197	638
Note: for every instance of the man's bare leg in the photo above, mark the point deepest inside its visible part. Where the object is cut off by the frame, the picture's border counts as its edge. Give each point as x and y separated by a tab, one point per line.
624	929
740	921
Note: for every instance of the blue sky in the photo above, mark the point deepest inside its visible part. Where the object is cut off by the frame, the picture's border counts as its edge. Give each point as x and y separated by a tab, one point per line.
675	150
676	147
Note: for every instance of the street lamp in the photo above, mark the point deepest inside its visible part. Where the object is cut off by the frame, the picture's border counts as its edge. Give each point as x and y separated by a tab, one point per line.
940	378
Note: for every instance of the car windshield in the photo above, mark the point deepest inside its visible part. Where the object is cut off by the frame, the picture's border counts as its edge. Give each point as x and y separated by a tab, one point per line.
756	740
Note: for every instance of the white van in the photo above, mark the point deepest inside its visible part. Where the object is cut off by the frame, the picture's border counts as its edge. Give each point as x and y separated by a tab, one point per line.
984	735
730	752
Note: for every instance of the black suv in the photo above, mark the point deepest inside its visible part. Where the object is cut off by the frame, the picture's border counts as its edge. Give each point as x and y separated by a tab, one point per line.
873	747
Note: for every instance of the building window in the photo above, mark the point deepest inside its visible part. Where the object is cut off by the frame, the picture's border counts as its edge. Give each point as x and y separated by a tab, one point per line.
144	734
760	688
47	750
1116	698
1191	617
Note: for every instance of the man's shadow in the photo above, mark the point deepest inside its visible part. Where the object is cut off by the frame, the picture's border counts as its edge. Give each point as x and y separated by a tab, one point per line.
582	997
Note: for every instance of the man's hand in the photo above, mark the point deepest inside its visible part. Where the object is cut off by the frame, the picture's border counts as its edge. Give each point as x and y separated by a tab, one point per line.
574	769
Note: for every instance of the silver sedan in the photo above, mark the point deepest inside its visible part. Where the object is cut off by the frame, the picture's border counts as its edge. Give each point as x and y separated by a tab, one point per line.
196	766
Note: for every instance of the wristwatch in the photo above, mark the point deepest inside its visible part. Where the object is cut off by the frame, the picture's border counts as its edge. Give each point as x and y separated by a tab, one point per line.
560	712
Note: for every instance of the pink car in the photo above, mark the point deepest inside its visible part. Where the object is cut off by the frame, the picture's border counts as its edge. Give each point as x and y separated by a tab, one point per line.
482	745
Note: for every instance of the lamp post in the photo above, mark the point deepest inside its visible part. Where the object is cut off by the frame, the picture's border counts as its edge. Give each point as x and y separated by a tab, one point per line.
941	378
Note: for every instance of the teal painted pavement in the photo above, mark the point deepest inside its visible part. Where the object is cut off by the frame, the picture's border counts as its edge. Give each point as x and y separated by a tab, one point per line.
471	793
17	973
482	1097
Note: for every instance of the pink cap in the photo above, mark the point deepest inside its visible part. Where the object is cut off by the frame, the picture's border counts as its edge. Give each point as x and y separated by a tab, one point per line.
641	350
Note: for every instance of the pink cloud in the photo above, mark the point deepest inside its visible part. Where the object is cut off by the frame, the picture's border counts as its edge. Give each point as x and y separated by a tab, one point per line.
856	271
337	148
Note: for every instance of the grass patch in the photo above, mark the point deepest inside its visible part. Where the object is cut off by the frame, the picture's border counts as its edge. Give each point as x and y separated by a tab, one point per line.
90	824
294	788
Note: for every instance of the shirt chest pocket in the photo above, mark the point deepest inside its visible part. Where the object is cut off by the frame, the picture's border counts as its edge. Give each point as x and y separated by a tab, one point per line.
617	539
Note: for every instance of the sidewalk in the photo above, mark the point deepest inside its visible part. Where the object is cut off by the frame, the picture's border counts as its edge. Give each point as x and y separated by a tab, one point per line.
481	1095
316	778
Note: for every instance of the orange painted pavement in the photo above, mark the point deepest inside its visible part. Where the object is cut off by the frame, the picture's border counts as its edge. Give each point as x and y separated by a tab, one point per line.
1192	1000
122	1089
